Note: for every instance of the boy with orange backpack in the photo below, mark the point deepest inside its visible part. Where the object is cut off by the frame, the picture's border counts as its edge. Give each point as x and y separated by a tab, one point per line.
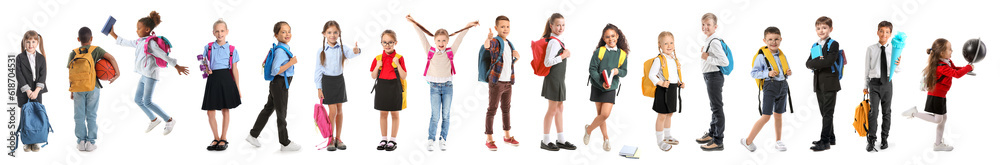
86	88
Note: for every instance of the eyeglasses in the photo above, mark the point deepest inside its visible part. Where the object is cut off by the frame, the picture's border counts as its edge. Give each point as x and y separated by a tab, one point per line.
384	43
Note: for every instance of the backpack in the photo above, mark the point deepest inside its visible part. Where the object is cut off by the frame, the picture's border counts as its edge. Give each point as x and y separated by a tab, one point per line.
396	70
82	74
34	127
486	60
451	58
323	123
838	66
208	55
538	53
861	117
269	62
648	88
729	54
760	82
621	60
162	43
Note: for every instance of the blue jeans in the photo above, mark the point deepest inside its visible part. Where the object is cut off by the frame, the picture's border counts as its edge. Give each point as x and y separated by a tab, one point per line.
440	109
144	98
85	114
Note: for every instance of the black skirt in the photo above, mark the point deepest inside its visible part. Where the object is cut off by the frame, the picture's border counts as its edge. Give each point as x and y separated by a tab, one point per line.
598	95
936	105
221	91
665	100
388	95
334	89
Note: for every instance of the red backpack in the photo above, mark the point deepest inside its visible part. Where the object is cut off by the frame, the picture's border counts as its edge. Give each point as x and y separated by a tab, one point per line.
538	51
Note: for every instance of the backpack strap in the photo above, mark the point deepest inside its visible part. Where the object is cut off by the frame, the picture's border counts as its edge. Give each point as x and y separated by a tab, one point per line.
289	53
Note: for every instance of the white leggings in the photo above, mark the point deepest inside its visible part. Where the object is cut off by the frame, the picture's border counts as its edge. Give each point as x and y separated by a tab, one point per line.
934	118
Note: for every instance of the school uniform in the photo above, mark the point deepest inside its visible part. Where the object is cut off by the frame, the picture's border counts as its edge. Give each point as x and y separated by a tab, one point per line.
665	99
606	64
714	81
775	88
30	73
879	69
221	91
826	84
388	86
554	84
277	97
945	72
329	75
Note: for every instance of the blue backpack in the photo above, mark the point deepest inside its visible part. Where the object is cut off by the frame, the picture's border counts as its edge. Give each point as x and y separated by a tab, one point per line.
269	62
485	61
34	127
838	66
729	54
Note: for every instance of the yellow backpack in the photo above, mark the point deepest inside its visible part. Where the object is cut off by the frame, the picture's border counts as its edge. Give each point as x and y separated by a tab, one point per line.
648	88
401	80
770	62
82	76
861	117
621	58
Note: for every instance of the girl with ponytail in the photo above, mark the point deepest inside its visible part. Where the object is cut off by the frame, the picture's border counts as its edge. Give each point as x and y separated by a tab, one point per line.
937	81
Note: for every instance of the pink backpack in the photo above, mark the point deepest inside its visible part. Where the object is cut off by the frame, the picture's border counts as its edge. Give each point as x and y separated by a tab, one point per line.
323	124
161	42
451	58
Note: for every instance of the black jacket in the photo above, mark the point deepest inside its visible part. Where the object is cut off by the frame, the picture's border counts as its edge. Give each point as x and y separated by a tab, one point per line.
824	78
23	75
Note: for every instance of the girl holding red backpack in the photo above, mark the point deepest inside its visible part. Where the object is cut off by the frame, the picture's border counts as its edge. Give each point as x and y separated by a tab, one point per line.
554	85
438	72
150	55
222	90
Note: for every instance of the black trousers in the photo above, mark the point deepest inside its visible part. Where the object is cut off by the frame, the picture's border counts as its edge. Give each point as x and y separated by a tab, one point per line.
277	100
881	101
714	81
827	103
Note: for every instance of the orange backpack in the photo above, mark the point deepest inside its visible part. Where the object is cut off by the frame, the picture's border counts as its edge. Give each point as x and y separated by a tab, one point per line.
861	117
82	76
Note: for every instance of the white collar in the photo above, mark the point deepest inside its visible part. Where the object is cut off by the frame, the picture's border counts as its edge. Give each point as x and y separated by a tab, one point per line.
611	49
822	41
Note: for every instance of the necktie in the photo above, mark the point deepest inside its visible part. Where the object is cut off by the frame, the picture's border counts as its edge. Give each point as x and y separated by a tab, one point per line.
884	67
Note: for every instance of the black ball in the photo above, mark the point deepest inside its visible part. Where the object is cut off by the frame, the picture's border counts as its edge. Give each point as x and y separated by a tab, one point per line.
974	50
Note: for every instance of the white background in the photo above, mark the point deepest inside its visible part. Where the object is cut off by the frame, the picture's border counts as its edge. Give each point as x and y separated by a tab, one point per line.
188	24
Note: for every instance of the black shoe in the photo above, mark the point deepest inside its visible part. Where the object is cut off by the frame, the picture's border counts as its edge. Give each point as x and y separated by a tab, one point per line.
381	145
565	145
223	145
704	139
821	146
831	142
214	146
871	147
885	145
549	147
391	147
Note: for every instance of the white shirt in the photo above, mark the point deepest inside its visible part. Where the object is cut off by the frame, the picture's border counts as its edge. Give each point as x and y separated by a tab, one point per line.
508	59
552	51
31	63
873	64
656	73
145	65
716	55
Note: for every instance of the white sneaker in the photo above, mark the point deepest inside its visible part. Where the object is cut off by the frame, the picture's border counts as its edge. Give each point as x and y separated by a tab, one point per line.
909	112
441	145
586	135
89	147
169	127
943	147
750	146
82	146
153	124
291	147
607	145
780	146
253	141
430	145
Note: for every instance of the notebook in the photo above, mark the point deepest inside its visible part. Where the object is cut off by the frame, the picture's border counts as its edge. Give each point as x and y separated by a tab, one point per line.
107	25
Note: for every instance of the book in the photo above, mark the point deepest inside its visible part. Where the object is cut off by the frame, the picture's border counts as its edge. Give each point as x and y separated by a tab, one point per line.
631	152
107	25
605	75
817	51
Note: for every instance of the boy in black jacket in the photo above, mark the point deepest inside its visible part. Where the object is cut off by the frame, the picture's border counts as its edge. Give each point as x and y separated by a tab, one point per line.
826	80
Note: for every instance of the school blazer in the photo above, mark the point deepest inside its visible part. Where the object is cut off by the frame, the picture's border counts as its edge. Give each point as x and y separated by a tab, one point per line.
824	79
24	74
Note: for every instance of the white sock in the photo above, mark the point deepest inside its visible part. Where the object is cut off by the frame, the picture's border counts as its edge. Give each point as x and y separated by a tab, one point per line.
666	132
386	138
392	139
659	136
545	139
560	138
